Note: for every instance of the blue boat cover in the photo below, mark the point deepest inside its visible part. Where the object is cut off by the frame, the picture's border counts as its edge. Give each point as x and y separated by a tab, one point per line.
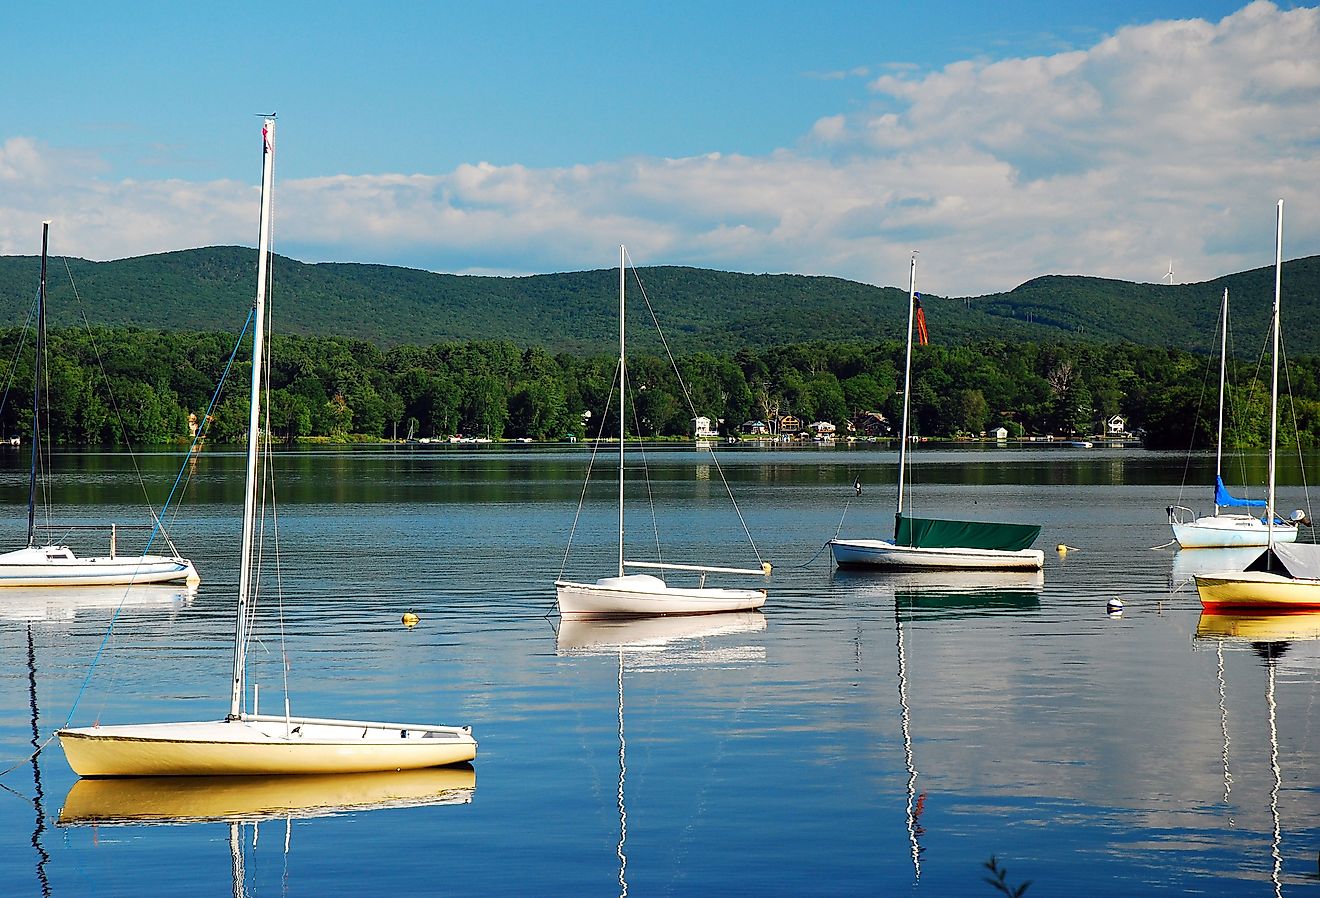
1224	497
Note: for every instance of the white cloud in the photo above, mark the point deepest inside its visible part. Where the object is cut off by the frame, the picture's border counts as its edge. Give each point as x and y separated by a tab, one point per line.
1166	140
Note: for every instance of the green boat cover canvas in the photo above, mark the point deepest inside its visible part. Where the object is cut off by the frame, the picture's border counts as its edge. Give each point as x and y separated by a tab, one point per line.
931	533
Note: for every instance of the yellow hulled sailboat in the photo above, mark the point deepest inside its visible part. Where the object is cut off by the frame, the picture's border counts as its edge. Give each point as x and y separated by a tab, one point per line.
251	743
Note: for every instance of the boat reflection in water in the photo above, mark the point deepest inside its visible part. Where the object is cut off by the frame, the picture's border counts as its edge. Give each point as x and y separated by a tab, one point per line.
249	801
36	603
1270	636
253	799
675	636
649	642
950	593
931	596
1187	563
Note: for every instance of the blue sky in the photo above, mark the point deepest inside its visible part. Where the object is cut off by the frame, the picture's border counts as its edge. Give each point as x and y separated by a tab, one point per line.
508	138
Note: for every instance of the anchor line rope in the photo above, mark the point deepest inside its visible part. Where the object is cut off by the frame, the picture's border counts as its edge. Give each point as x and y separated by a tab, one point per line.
25	760
823	546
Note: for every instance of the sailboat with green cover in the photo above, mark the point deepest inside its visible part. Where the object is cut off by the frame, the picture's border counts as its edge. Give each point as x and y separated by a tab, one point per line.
933	543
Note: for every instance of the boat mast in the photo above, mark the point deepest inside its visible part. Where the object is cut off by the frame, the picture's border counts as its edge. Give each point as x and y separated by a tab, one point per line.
1274	374
907	384
36	387
623	393
236	698
1223	364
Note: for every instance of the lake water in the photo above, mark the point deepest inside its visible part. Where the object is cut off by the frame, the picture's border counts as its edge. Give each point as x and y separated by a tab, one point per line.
864	735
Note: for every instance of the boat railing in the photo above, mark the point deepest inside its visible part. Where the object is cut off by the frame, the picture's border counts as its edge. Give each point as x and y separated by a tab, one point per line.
427	730
762	571
114	532
1180	514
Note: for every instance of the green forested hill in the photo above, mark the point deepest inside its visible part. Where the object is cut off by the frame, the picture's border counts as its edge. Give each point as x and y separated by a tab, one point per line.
210	289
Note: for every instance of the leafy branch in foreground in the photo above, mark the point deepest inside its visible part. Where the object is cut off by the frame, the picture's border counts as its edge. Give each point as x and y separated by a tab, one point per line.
999	879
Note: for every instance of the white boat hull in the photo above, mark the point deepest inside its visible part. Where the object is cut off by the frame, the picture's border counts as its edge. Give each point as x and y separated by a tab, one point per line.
58	566
641	594
260	745
1245	590
876	553
1228	531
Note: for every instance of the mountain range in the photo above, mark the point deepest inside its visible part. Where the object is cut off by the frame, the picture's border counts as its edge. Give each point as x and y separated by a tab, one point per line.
210	289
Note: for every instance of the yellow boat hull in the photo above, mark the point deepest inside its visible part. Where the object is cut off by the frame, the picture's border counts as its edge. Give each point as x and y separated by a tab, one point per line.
263	746
1256	590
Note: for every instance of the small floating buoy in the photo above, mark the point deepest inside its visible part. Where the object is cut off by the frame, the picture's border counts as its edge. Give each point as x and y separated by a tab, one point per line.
409	619
1115	607
765	568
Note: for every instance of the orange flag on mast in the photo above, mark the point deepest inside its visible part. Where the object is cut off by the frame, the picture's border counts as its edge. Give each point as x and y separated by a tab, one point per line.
923	337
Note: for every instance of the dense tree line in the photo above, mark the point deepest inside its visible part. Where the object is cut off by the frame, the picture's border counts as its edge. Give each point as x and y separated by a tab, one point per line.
116	386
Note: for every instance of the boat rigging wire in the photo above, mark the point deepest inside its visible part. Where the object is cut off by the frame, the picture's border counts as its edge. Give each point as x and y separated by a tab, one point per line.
105	640
114	404
595	448
687	397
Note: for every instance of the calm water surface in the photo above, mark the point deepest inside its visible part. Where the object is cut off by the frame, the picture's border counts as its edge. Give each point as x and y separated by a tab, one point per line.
864	735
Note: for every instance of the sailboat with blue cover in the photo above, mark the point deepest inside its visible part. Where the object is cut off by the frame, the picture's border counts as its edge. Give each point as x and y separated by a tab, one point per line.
932	543
1224	529
1282	576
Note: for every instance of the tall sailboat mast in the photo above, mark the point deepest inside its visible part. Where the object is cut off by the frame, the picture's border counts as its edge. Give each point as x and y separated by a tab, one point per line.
623	396
245	577
36	388
1274	374
907	383
1223	365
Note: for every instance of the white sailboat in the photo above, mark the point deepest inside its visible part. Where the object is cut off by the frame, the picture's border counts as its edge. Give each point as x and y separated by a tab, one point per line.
246	743
57	565
927	543
1283	575
1225	529
626	595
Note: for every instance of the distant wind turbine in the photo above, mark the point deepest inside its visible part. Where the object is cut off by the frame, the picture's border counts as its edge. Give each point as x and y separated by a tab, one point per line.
1169	275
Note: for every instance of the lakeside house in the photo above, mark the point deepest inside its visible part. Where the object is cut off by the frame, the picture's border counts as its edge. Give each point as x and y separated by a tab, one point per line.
871	424
702	429
822	431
